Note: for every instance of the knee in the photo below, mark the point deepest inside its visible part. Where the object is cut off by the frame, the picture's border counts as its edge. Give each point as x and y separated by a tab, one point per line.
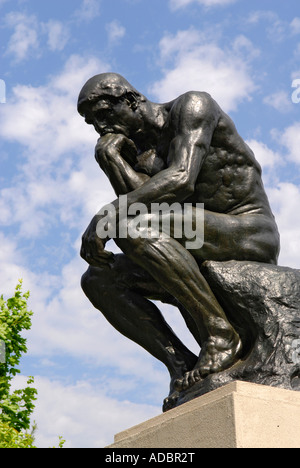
92	277
86	280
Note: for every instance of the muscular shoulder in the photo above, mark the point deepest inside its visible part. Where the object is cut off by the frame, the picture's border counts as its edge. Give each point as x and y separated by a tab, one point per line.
191	108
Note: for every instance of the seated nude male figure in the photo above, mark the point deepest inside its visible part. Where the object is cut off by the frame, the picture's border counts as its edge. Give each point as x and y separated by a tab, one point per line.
185	151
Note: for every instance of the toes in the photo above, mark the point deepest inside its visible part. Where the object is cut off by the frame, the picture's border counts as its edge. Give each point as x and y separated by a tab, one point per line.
210	361
170	401
166	405
196	376
191	378
178	385
186	381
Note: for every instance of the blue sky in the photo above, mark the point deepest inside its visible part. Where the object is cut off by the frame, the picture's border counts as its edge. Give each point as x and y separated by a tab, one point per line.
92	382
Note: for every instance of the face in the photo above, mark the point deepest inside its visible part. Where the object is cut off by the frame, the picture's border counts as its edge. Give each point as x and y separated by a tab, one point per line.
112	116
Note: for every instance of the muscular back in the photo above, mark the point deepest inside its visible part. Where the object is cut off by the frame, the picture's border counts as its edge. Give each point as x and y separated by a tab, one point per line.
229	179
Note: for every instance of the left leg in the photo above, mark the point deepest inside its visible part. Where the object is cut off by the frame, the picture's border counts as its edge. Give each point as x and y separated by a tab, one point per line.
175	269
250	237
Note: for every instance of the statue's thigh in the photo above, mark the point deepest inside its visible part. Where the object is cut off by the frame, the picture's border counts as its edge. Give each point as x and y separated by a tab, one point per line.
244	237
129	275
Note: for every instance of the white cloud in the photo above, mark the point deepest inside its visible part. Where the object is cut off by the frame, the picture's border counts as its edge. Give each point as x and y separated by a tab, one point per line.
262	15
243	47
27	38
284	197
24	40
266	157
57	150
191	62
281	101
285	200
295	26
269	160
58	35
14	267
296	74
88	10
83	413
176	4
277	29
115	31
290	140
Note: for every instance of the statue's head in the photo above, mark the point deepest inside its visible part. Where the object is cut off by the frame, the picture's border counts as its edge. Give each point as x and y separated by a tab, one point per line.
109	86
102	94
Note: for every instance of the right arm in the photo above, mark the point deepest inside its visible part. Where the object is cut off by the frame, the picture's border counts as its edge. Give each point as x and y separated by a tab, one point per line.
116	155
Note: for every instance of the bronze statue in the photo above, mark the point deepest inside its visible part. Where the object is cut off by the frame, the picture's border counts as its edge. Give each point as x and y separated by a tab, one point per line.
185	151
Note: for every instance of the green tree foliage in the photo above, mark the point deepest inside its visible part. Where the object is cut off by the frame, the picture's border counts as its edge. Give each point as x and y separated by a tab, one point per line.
10	438
15	407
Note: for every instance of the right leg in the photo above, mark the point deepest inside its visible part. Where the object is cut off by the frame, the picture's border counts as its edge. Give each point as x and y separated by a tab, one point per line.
119	291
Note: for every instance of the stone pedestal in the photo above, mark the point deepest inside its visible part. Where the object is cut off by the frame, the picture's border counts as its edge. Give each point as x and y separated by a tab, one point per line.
237	415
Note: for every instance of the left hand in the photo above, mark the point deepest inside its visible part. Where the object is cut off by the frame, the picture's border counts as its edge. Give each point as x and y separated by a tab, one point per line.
92	248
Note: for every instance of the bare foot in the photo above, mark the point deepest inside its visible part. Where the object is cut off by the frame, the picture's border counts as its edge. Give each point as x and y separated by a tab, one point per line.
216	355
189	363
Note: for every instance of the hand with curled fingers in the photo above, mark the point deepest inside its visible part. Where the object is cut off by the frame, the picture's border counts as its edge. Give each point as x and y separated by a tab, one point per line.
111	145
92	247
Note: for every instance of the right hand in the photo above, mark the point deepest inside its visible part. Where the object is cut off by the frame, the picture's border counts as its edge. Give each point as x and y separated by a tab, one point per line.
119	144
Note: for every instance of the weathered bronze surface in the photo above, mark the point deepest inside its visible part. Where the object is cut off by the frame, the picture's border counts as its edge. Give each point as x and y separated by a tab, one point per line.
184	151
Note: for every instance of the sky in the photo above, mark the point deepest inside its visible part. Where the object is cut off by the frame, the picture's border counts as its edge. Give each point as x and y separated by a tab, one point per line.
92	382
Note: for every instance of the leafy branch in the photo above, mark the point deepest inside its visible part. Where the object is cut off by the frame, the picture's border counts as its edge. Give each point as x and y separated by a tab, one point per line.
15	407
